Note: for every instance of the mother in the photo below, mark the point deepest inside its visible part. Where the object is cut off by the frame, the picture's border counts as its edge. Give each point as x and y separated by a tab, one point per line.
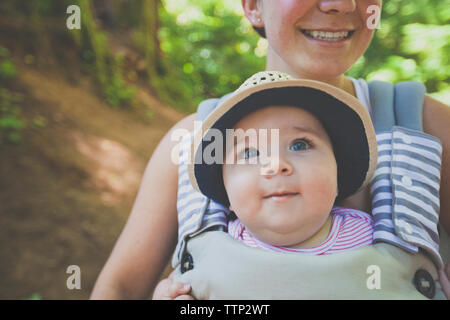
150	234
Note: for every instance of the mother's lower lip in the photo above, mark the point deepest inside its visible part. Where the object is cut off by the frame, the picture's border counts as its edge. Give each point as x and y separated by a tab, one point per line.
327	43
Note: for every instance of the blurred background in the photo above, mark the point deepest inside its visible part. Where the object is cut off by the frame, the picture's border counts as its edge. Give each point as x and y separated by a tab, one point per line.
82	110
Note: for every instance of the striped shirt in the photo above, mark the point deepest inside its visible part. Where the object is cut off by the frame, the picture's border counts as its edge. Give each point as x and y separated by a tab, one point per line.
351	229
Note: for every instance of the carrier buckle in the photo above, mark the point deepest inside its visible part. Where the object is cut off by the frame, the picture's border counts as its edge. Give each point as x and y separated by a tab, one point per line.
424	283
187	263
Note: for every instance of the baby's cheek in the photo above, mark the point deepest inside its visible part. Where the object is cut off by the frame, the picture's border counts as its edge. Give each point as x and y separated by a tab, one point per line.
241	189
323	186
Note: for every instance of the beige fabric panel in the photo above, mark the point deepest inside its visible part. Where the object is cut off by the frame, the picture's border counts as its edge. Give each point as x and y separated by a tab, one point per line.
227	269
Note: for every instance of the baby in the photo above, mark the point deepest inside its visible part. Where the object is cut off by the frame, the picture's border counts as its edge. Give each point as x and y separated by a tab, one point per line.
288	207
322	148
284	201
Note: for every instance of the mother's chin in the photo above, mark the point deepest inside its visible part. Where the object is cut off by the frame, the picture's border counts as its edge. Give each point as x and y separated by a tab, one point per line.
321	67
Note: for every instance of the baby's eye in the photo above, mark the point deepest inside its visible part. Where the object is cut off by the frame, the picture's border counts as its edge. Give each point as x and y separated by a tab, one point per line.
300	145
249	153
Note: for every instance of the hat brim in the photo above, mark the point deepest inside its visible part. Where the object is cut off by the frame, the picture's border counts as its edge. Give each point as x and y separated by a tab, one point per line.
345	119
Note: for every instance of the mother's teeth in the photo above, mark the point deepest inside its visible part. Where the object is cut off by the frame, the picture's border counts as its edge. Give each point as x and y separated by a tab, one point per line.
327	35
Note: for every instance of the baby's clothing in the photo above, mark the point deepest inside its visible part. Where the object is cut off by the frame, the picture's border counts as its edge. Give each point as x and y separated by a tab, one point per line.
351	229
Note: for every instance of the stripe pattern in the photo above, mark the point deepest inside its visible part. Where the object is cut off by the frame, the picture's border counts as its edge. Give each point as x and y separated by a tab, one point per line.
196	213
351	229
405	191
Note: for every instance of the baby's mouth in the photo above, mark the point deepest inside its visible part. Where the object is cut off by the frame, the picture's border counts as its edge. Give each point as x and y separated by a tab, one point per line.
281	195
327	35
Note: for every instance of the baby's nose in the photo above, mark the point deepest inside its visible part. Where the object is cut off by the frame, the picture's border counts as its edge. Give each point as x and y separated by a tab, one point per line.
276	166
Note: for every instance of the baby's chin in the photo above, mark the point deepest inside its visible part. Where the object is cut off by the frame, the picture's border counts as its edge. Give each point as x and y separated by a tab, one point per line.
283	240
290	232
284	235
290	220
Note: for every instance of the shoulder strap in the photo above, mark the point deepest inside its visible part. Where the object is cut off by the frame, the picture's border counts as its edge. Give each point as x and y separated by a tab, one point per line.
206	106
381	96
400	104
409	97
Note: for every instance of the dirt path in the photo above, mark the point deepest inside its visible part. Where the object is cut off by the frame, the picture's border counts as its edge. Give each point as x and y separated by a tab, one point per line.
67	189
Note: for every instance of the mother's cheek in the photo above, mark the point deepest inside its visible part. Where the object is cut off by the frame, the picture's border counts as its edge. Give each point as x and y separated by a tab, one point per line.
293	8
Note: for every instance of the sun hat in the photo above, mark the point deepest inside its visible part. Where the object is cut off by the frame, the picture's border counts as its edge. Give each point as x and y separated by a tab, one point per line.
344	118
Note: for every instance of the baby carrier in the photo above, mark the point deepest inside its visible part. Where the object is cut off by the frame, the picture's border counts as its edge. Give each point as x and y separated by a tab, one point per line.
401	264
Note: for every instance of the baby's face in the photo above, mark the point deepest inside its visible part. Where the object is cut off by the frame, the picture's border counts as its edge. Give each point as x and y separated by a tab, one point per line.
289	201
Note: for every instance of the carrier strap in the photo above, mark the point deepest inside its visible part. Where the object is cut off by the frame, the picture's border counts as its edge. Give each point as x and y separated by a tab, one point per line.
405	186
409	98
205	107
382	102
397	105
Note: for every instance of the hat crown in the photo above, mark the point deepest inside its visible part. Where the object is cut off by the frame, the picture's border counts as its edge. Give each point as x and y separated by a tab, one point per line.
264	77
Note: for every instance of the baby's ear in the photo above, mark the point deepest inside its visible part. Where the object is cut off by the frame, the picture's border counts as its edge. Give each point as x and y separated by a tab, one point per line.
230	208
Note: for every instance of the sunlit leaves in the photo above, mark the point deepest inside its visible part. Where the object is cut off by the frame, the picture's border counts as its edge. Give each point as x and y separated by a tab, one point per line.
209	46
412	44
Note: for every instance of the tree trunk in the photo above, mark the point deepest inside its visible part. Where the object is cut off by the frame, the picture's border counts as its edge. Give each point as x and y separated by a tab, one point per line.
150	25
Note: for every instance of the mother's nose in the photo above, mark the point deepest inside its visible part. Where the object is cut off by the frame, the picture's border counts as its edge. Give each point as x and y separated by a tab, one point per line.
337	6
277	166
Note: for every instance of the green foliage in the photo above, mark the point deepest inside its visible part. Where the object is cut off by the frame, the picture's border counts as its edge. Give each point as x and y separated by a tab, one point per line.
35	296
413	43
39	122
91	41
7	67
106	67
209	51
10	121
7	70
117	92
